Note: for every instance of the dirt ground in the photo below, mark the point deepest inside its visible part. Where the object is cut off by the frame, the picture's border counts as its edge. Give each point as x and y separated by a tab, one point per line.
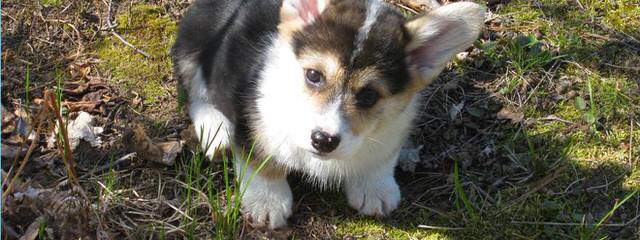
533	133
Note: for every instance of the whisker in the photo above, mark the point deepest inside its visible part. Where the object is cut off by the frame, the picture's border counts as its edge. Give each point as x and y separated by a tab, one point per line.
375	140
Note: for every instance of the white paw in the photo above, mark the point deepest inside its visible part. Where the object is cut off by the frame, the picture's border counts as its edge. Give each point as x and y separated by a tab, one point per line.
268	201
374	197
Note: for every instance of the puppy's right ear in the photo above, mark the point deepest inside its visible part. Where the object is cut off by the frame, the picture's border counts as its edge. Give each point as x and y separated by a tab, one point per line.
295	14
439	35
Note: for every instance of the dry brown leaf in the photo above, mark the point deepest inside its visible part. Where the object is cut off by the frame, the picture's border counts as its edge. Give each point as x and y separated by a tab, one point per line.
420	5
510	114
79	71
13	151
170	151
32	231
90	106
138	141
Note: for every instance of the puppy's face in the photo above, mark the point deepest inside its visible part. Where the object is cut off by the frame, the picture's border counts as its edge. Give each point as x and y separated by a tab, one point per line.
348	68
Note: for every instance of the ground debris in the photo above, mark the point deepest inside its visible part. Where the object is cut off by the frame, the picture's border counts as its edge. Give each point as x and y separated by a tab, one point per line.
139	142
409	157
17	133
80	128
63	208
32	231
510	114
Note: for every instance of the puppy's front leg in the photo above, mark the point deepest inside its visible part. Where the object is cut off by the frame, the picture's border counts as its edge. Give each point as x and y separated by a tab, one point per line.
375	193
268	198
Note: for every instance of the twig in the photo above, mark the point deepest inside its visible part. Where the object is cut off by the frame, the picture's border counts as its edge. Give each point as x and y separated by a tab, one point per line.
578	224
420	5
106	167
138	50
621	67
546	180
111	27
554	118
439	228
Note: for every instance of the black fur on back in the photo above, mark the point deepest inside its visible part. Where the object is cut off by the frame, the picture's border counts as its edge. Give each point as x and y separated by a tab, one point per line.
226	39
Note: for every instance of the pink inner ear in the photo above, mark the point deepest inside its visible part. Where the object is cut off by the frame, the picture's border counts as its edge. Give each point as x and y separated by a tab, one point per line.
424	57
308	10
433	50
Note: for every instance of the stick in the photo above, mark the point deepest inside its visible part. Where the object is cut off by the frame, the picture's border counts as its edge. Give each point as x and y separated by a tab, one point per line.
114	33
543	182
68	158
106	167
578	224
439	228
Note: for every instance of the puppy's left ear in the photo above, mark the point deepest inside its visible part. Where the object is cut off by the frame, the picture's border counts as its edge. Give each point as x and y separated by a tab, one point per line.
439	35
295	14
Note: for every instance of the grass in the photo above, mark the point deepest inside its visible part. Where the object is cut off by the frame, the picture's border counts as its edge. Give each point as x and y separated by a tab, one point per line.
588	233
461	196
27	86
225	204
51	3
41	229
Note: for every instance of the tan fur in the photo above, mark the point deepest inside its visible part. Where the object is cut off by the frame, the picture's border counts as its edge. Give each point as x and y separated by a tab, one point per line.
271	170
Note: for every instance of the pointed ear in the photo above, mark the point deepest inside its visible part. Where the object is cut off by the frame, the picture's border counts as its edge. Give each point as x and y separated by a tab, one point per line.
295	14
439	35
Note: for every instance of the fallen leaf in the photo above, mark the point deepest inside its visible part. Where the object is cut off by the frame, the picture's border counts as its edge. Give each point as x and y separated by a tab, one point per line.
510	114
13	151
78	129
170	151
88	106
138	141
474	111
409	157
80	87
79	70
590	118
32	231
95	96
580	103
66	207
8	118
455	110
137	100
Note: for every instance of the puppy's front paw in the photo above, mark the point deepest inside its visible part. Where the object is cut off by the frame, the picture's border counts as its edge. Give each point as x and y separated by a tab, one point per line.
268	201
374	197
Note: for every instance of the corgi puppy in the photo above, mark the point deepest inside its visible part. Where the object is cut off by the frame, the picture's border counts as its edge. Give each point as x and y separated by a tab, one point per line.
328	88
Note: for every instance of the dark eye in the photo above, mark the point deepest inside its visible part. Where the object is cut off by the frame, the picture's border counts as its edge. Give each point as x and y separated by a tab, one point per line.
366	98
314	77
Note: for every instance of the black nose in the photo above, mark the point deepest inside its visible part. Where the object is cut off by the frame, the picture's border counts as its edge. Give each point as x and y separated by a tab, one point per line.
324	142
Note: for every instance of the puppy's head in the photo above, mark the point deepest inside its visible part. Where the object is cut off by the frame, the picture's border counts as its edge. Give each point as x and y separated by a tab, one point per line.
351	67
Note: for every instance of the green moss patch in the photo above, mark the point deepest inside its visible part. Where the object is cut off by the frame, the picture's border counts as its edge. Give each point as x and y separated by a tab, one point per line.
151	30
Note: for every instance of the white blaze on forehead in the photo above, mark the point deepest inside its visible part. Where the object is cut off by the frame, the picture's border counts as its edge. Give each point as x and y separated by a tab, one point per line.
373	10
332	119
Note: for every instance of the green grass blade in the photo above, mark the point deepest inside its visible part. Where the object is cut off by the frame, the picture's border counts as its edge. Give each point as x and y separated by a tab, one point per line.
460	192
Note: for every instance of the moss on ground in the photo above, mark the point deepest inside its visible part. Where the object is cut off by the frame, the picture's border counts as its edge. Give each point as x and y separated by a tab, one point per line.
150	29
372	229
